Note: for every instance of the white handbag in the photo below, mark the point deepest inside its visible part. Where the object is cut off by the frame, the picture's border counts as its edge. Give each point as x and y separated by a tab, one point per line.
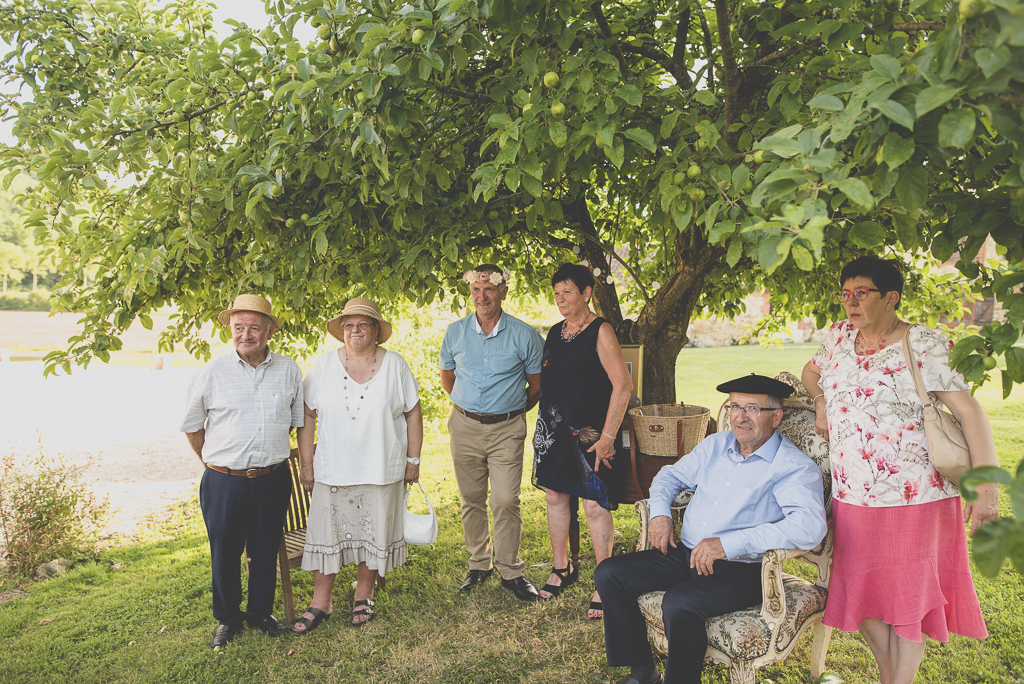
420	530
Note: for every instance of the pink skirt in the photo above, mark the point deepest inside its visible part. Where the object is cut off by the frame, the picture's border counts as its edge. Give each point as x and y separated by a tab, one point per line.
906	566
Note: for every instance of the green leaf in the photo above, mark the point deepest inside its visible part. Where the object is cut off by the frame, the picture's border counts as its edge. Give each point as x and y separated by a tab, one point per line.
857	190
896	150
964	348
1005	282
932	97
668	124
887	67
641	136
912	187
321	242
990	545
1003	338
906	230
992	61
499	120
827	102
784	147
721	231
956	128
768	257
630	94
802	257
867	234
897	113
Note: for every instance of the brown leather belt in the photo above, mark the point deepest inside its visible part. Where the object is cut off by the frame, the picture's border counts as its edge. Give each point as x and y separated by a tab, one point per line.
250	473
489	418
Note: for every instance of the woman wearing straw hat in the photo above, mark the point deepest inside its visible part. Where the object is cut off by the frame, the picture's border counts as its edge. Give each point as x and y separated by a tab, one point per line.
368	446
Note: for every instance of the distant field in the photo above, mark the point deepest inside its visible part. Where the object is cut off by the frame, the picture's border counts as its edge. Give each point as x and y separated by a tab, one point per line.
30	335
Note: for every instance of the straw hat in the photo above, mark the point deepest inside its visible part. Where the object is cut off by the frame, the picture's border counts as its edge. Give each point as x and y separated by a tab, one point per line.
359	306
249	302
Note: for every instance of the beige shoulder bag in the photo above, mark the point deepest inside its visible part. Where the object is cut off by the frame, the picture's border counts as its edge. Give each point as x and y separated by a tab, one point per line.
947	447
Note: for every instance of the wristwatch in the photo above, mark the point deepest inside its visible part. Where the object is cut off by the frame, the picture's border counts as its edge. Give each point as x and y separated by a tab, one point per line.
413	461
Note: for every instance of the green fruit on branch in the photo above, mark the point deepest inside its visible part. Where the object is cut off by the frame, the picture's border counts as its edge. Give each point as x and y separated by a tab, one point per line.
278	117
493	214
696	194
417	36
391	130
551	79
747	187
305	218
972	8
679	178
334	44
290	223
693	172
699	145
324	31
360	97
558	110
990	362
759	157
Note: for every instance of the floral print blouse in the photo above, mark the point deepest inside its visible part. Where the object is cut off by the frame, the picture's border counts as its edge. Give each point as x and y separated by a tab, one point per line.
878	449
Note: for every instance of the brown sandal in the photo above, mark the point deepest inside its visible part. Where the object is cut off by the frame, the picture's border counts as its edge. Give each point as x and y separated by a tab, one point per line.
362	607
309	625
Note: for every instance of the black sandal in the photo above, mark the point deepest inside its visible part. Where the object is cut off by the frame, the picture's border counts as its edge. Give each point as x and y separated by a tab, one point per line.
362	607
596	605
309	625
567	579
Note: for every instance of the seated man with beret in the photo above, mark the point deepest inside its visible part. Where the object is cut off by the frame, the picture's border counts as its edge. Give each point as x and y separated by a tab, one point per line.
754	490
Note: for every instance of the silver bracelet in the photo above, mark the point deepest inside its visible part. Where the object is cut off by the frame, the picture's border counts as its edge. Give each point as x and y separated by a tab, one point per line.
607	435
413	461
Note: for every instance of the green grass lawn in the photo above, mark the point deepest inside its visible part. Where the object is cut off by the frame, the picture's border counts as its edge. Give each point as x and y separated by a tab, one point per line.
151	620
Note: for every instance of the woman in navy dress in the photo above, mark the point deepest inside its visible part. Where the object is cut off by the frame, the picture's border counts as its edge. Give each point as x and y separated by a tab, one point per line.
585	389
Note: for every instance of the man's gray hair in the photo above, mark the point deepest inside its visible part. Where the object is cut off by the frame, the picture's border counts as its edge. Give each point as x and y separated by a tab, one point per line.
267	320
773	401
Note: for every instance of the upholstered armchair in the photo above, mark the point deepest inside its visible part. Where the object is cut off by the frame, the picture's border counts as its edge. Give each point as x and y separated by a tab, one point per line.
768	633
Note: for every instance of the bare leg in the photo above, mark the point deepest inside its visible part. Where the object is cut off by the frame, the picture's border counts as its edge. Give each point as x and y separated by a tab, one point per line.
602	534
898	659
323	586
558	530
365	581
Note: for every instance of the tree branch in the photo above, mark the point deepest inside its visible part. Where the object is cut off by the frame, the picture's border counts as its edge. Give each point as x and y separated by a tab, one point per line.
782	54
709	49
606	31
458	92
732	74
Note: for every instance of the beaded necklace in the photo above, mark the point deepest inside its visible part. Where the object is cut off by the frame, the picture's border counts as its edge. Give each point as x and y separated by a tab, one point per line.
373	369
570	336
881	344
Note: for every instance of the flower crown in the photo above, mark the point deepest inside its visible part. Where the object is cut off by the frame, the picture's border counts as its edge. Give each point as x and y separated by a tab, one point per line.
492	277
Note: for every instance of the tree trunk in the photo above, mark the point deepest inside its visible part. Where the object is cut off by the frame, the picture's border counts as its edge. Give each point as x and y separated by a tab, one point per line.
5	284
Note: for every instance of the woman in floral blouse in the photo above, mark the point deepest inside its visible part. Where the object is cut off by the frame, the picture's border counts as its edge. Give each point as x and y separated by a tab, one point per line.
901	569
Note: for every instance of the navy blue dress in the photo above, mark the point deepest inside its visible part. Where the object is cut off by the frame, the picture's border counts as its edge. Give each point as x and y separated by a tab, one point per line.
574	395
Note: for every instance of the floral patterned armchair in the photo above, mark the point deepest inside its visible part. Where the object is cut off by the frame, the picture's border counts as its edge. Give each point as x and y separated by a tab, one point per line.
749	639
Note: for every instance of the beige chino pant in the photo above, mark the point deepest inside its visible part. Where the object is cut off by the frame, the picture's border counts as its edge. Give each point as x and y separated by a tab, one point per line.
490	452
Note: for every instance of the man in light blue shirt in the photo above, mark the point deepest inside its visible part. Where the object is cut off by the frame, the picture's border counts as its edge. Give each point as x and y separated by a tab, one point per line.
490	366
754	490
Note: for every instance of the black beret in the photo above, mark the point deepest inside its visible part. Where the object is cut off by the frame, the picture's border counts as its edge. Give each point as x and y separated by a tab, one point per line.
757	384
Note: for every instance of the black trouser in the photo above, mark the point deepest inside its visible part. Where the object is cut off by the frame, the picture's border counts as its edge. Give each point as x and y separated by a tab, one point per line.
690	599
244	513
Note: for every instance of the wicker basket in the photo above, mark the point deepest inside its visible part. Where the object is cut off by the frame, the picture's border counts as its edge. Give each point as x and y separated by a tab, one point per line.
669	430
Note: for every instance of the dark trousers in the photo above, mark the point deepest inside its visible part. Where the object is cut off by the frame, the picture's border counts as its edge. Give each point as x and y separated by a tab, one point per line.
690	599
244	513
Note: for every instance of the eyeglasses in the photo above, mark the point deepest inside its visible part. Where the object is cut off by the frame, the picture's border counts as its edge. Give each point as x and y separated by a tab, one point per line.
361	327
749	411
859	294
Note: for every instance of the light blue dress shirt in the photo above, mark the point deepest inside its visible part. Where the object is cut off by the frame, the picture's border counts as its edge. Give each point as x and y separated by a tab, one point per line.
773	499
490	370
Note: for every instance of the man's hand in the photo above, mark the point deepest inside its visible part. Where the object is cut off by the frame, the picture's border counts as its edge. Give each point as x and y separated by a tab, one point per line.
705	554
196	440
659	531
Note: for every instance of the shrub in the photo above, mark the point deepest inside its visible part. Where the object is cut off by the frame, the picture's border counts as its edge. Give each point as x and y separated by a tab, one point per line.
46	512
420	347
25	301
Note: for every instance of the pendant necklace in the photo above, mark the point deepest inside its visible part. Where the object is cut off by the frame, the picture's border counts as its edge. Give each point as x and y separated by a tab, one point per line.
881	344
570	336
344	364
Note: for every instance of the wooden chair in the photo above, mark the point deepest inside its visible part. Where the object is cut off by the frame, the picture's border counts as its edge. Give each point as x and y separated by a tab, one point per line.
748	639
289	555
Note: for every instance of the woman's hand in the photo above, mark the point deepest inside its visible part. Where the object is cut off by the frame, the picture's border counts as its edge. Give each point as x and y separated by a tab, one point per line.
821	419
306	477
412	473
604	451
985	509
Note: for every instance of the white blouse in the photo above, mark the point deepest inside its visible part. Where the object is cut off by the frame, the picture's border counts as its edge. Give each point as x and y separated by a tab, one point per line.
361	431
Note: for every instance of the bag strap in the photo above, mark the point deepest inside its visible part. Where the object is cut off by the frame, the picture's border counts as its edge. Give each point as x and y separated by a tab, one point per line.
915	372
408	491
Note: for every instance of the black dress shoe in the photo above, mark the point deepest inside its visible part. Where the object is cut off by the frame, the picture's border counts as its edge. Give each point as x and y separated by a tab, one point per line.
224	633
269	626
474	579
630	679
522	588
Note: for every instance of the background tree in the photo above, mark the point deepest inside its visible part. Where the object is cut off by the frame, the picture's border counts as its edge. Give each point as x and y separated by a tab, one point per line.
705	149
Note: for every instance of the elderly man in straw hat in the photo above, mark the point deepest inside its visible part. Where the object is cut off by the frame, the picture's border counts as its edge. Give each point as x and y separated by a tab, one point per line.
490	365
239	411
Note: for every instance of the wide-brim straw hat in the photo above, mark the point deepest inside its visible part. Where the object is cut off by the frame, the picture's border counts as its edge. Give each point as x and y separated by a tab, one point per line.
249	302
359	306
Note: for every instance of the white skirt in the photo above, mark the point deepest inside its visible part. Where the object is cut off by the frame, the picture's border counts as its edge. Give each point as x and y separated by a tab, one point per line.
357	524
